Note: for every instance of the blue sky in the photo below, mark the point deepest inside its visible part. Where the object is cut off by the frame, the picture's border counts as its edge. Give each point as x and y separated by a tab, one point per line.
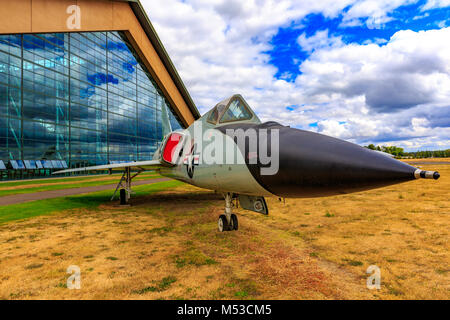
406	17
367	71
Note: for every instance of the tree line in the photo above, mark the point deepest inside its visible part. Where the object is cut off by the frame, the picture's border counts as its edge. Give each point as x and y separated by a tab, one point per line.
400	153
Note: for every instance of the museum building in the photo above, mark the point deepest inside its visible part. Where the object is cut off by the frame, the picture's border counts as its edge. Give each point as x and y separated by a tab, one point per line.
83	83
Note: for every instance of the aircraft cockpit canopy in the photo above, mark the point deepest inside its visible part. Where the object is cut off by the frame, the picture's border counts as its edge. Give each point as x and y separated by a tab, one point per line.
231	110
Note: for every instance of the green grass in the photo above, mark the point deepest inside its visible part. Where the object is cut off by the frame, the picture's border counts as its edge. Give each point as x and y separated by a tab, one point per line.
355	263
89	201
112	258
145	290
241	294
195	257
56	179
52	186
164	284
329	215
57	254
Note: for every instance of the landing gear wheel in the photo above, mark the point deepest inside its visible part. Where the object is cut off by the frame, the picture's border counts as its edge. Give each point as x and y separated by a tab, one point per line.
234	222
223	223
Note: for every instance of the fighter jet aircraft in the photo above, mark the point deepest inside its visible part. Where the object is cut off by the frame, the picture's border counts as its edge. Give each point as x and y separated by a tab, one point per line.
230	151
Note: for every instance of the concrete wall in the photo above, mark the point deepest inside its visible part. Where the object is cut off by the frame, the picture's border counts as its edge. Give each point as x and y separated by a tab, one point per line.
40	16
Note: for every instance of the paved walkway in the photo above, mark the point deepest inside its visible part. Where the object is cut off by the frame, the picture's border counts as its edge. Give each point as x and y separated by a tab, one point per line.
26	197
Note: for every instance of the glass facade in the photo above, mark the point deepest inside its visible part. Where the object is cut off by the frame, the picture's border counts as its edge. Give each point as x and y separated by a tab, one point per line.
85	98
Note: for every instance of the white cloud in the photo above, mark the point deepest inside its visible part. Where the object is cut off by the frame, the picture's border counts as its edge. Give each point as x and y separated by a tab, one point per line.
403	87
374	12
332	128
217	45
320	40
441	24
434	4
410	70
218	49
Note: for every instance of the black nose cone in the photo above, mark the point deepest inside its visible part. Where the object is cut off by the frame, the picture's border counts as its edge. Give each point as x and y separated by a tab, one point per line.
312	164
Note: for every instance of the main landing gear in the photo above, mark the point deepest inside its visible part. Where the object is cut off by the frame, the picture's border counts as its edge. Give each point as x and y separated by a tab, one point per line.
228	221
124	186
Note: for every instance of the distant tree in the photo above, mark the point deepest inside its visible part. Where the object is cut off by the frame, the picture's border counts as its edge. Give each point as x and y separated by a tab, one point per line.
429	154
400	152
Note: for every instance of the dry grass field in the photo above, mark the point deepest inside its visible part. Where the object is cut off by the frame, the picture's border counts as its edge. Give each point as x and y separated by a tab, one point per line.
166	246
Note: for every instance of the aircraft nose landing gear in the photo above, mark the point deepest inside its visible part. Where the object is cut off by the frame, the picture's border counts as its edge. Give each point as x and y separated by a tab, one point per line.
225	226
228	221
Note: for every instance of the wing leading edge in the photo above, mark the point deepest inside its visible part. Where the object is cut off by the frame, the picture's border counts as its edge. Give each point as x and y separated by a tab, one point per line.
142	165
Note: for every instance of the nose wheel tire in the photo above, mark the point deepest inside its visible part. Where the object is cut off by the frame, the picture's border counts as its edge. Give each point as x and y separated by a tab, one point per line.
223	223
234	222
228	221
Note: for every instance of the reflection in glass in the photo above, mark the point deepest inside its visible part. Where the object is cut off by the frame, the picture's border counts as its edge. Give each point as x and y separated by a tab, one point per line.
85	98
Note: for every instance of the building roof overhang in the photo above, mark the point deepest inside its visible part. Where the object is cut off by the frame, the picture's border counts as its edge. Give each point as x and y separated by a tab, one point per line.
143	19
44	16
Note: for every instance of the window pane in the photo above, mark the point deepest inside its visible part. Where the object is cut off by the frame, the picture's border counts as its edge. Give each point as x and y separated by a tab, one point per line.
85	98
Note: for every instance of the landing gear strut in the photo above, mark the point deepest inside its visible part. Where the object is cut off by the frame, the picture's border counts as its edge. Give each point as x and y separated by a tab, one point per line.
228	221
124	186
